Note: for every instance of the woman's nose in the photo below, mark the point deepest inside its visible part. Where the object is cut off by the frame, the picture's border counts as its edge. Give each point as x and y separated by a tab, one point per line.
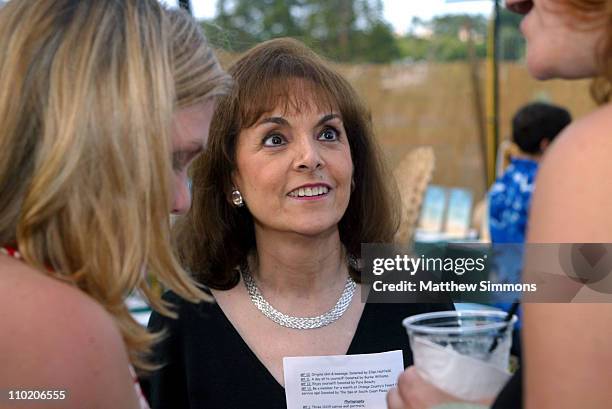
308	156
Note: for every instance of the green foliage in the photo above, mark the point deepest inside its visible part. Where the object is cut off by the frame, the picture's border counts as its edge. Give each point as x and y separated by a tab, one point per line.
414	48
447	48
376	45
451	24
344	30
511	41
355	31
448	38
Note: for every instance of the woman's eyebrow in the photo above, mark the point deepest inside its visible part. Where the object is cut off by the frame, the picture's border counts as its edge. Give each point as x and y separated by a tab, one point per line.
282	121
328	117
273	120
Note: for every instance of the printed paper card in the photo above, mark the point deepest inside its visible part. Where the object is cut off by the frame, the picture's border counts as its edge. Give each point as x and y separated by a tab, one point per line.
341	381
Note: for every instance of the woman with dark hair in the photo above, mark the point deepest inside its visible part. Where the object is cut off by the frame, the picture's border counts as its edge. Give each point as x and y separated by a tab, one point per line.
567	354
291	184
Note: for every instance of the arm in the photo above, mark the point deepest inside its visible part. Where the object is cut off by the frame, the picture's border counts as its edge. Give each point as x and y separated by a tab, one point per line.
60	339
568	356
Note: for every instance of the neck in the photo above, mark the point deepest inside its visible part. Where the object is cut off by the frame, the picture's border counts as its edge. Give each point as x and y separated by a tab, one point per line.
291	265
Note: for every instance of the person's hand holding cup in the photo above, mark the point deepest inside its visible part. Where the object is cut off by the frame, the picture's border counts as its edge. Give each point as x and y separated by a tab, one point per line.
460	356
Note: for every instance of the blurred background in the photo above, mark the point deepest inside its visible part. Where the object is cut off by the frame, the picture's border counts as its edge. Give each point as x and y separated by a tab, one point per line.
423	67
443	79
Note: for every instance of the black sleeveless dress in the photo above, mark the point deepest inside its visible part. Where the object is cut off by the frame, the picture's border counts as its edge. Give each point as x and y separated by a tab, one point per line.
209	366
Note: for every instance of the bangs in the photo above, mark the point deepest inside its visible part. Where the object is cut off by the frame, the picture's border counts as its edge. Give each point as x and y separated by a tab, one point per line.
289	95
287	76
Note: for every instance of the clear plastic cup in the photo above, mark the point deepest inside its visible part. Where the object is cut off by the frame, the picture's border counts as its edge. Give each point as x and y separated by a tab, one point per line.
452	349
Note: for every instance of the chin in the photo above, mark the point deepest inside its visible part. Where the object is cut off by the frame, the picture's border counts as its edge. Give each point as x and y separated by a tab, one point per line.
544	72
539	64
539	73
314	230
543	67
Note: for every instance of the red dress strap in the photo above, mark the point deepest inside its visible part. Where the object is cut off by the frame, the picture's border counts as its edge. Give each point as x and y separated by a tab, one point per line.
10	251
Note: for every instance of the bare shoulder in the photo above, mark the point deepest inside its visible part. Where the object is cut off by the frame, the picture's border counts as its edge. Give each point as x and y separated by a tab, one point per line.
59	338
572	203
573	192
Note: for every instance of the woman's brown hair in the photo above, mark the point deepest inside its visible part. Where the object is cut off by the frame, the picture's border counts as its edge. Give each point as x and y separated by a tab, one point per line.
215	237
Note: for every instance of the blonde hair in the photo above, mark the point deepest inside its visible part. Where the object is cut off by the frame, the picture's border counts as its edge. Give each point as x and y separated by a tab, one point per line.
198	75
87	98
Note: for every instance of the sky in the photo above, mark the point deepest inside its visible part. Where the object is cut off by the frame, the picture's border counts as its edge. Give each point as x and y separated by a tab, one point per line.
397	12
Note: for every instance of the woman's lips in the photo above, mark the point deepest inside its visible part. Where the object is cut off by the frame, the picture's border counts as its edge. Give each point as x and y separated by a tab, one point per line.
311	190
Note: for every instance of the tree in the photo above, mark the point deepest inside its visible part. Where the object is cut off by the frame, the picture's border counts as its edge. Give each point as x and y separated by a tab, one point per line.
448	38
451	25
377	45
511	41
345	30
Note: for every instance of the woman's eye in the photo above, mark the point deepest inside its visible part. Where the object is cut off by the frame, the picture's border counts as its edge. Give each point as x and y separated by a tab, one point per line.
328	134
273	140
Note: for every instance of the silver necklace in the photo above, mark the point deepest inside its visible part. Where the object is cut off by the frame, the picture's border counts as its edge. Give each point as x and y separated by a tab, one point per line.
298	322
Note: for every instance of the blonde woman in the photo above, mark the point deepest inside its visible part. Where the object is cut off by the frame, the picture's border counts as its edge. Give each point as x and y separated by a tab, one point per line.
96	97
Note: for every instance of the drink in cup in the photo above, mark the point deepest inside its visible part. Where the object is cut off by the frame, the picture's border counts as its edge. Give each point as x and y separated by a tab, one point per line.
464	353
